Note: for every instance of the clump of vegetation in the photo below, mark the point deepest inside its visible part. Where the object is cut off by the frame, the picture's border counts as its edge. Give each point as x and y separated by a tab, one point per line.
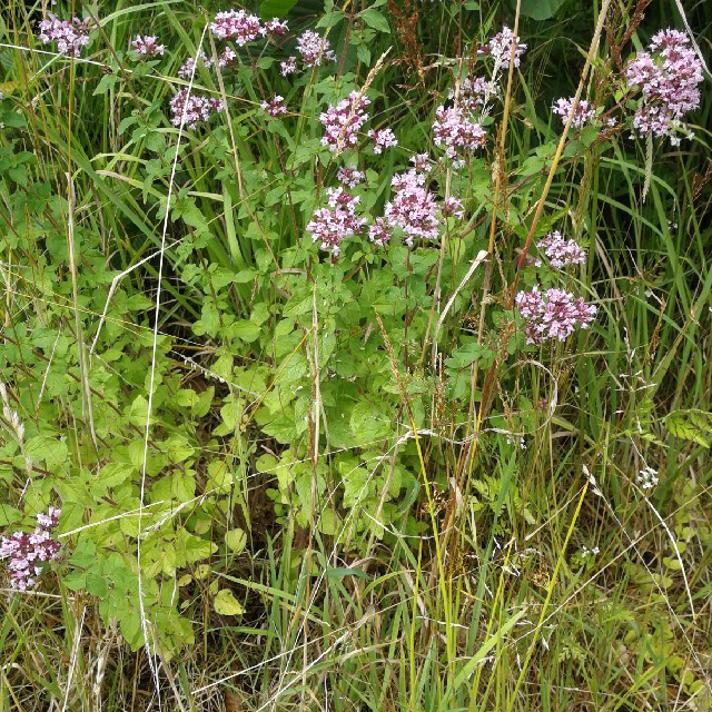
353	356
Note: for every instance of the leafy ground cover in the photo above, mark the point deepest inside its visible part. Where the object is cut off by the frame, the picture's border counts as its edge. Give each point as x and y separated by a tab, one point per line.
354	356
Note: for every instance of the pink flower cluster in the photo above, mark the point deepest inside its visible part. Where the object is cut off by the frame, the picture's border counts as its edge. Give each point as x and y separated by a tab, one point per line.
453	207
314	49
331	226
237	25
70	35
27	551
189	67
457	133
413	207
288	66
584	113
275	106
350	177
561	252
473	94
379	233
668	76
382	139
343	121
500	49
147	46
553	314
197	108
276	27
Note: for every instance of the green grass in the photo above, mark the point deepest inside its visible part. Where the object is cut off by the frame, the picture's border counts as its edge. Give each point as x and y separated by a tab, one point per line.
382	569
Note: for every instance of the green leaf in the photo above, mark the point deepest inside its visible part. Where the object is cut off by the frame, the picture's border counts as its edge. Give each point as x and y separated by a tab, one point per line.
50	450
541	9
375	19
236	540
692	425
275	8
226	604
368	423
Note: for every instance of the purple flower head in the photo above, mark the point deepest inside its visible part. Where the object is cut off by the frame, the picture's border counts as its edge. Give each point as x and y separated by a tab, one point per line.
275	106
561	252
147	46
226	58
457	133
331	226
26	552
276	27
473	94
190	66
382	139
584	113
350	177
197	108
453	207
314	49
343	121
421	162
70	35
500	49
668	78
288	66
553	314
413	207
237	25
379	233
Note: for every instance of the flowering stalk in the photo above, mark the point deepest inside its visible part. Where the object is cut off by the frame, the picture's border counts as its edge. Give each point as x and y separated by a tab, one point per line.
26	552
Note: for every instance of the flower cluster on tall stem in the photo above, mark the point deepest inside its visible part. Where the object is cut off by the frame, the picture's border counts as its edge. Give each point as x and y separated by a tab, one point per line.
25	552
147	46
314	49
552	314
343	121
668	76
69	35
330	226
457	133
561	252
198	109
583	114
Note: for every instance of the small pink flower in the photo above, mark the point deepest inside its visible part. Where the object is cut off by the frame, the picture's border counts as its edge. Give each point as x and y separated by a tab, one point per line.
70	35
190	67
561	252
668	78
226	58
198	109
452	207
500	49
473	94
382	139
343	121
288	66
275	106
276	27
584	113
147	46
421	162
553	314
237	25
331	226
314	49
350	177
413	207
457	133
379	233
26	552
